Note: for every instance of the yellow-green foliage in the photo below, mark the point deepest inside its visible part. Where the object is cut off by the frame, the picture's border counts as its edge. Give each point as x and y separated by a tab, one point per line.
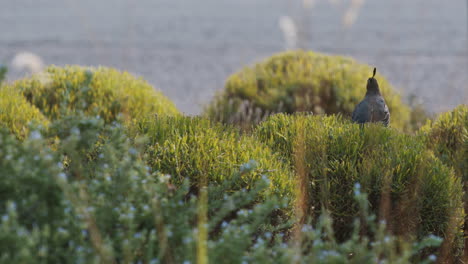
448	137
112	209
16	113
95	91
407	185
193	147
301	81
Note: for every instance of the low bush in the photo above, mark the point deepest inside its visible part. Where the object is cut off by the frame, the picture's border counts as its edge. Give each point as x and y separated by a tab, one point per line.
407	186
32	208
16	114
301	82
95	91
196	148
108	207
447	136
175	189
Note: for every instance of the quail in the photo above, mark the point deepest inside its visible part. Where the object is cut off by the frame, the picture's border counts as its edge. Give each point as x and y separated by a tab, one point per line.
373	107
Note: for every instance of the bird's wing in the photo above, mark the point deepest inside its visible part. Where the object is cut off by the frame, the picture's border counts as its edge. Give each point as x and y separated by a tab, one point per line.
383	113
361	112
386	119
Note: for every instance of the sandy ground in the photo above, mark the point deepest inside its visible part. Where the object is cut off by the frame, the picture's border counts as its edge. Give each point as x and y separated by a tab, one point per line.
187	48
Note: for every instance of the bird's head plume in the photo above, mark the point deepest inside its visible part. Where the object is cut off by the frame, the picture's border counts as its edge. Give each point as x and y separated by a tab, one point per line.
372	84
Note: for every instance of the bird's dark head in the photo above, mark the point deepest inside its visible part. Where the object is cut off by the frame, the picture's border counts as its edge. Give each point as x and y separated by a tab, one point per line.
372	84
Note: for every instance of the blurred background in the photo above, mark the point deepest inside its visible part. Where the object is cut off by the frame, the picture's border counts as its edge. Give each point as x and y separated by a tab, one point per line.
188	48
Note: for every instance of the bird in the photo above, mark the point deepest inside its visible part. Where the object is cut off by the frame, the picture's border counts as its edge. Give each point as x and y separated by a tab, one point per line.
373	107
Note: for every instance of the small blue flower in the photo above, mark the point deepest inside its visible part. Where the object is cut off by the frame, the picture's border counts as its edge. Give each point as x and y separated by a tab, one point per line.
35	135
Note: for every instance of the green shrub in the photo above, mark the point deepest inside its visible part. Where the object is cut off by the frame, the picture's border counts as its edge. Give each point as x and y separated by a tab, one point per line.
448	137
301	81
407	185
32	206
317	243
103	205
88	202
95	91
194	147
110	208
16	113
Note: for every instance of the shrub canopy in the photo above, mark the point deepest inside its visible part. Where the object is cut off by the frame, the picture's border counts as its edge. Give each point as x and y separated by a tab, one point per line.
194	147
95	91
16	113
407	185
448	137
93	200
301	81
